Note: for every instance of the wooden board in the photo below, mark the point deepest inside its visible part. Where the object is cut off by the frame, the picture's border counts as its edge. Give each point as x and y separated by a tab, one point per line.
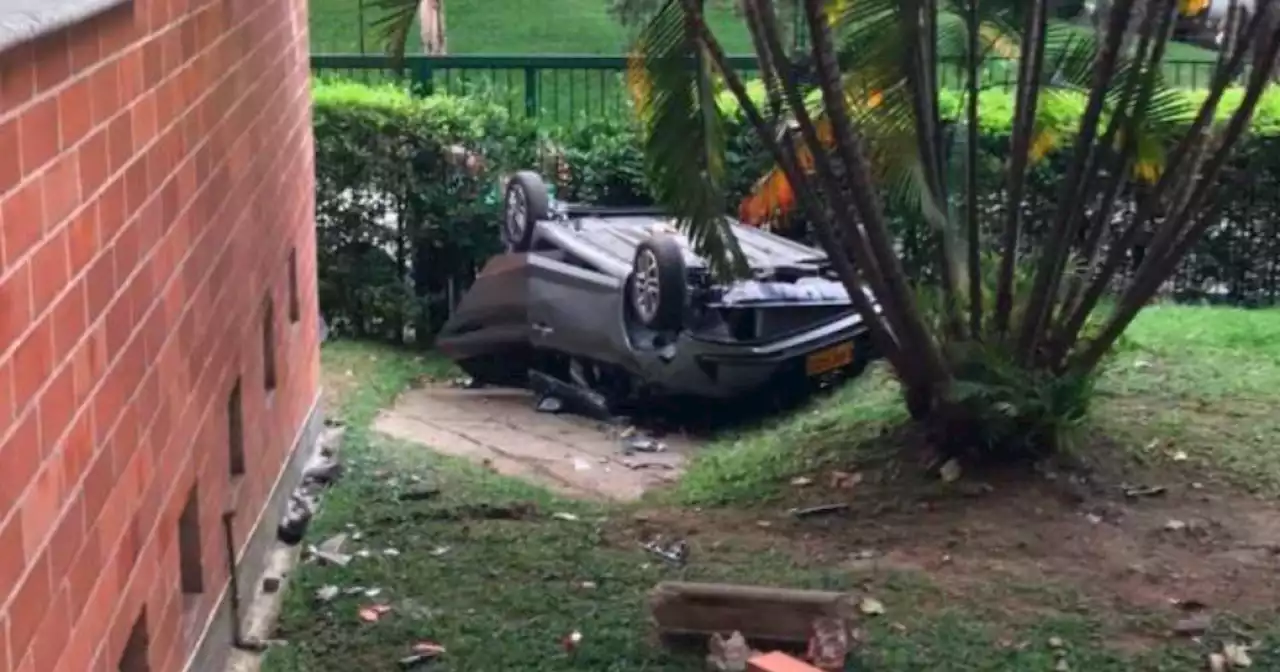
762	614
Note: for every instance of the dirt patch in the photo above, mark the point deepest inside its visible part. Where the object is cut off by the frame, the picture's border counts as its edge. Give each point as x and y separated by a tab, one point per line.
502	429
1027	545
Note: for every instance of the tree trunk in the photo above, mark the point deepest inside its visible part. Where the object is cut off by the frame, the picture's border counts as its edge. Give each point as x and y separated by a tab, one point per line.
431	27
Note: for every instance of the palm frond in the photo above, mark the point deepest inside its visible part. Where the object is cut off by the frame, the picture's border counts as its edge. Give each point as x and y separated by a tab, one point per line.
394	24
683	132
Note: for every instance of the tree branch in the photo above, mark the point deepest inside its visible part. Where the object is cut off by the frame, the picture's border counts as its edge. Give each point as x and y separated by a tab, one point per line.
1023	114
1054	255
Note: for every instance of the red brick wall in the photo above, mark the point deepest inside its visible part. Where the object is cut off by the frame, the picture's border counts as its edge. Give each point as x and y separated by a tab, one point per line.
155	172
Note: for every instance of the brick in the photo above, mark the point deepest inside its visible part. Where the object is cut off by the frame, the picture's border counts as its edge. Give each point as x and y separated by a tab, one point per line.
32	363
50	271
38	135
17	77
778	662
52	635
22	212
15	306
41	505
53	61
57	405
75	112
10	171
61	190
31	602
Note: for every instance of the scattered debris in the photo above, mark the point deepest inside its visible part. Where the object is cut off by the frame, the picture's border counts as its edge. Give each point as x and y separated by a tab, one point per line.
587	585
1193	626
1062	665
1175	525
330	551
1217	662
390	552
676	552
820	510
571	641
439	551
550	405
327	593
568	397
580	464
1237	655
1056	643
372	592
423	653
322	469
871	606
640	443
638	465
560	515
297	518
728	654
829	646
950	471
1180	456
844	480
801	481
1135	491
372	613
466	383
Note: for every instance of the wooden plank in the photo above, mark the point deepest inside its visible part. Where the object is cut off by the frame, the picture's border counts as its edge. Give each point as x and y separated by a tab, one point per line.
762	614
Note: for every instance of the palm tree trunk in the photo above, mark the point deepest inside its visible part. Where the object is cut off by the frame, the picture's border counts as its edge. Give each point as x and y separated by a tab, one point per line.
431	27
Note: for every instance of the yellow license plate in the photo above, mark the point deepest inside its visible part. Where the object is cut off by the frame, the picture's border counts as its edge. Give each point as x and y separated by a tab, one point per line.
830	359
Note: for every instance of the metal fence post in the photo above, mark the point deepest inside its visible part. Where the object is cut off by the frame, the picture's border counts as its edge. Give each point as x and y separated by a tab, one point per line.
531	91
421	82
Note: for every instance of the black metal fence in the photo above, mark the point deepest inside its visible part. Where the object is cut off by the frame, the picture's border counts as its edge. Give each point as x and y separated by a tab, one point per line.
565	87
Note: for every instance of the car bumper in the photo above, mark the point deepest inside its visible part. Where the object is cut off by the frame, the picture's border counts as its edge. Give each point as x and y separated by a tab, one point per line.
725	370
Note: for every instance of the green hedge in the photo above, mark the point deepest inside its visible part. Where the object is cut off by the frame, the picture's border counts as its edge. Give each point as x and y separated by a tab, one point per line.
402	226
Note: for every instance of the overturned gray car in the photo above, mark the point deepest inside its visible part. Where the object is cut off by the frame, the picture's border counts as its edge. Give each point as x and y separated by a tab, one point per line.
612	302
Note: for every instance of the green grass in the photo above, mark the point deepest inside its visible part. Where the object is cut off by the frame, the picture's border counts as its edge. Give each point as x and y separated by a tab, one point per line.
1200	380
507	27
506	592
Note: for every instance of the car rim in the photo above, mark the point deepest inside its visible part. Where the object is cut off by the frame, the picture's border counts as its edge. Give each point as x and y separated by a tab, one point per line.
646	285
516	215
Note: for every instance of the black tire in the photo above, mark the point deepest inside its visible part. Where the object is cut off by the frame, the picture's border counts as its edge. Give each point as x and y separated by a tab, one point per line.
658	289
525	202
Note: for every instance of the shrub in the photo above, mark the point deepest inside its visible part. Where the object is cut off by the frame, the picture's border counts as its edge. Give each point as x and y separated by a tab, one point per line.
402	226
401	218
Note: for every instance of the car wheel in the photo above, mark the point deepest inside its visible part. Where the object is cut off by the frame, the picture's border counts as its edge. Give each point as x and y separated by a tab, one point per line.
526	202
658	287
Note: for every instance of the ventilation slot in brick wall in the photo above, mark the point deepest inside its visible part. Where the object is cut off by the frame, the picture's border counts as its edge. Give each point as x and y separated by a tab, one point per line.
269	345
235	431
295	304
135	656
189	555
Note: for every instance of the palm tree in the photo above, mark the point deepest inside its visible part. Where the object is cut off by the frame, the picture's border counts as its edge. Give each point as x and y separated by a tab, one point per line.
1000	352
397	19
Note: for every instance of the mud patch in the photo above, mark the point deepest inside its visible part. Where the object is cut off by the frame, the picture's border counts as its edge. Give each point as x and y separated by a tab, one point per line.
502	429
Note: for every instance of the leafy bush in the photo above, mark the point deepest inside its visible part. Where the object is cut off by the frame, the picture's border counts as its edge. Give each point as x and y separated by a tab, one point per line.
403	224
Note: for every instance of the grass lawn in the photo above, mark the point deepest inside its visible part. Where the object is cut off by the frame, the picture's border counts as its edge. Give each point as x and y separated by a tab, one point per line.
988	573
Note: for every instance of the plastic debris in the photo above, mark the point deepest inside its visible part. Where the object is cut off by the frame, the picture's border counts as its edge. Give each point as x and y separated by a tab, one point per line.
676	553
550	404
640	443
560	515
871	606
297	518
820	510
372	613
327	593
571	641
